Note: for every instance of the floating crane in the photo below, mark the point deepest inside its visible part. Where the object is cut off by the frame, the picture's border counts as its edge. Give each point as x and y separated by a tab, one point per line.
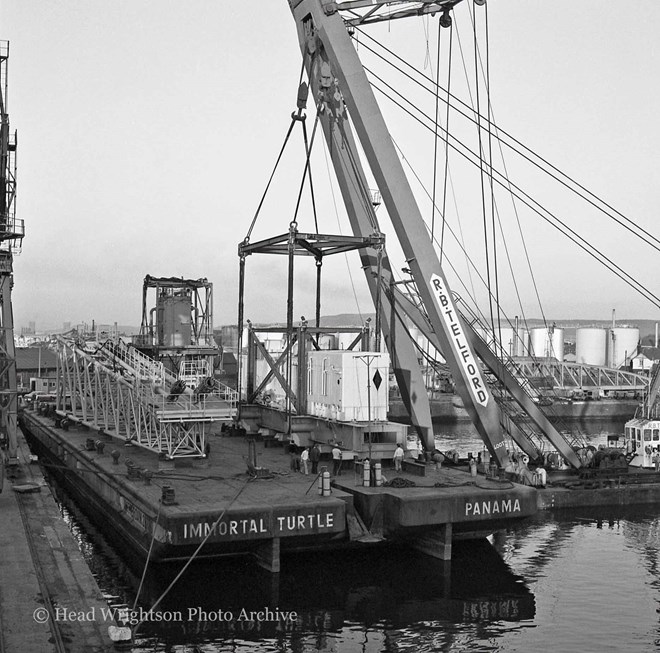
340	87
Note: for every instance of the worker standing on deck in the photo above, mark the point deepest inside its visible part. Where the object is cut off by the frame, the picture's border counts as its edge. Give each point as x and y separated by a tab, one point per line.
541	476
398	457
336	461
656	459
315	456
304	458
293	450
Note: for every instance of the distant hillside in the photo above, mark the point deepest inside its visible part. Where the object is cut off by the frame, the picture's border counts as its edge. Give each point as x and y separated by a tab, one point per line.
646	327
346	319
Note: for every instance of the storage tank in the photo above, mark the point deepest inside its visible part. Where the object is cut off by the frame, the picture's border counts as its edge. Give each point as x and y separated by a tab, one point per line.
622	345
505	336
174	321
591	346
511	345
522	344
547	343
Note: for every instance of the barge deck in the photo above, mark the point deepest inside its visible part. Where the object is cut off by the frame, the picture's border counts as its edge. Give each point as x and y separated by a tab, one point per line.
217	506
216	500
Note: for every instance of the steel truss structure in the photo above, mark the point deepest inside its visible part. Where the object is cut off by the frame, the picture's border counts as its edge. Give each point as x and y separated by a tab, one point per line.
577	375
116	389
364	12
304	340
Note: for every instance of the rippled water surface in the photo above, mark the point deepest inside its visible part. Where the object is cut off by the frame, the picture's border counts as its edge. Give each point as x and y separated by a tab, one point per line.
580	581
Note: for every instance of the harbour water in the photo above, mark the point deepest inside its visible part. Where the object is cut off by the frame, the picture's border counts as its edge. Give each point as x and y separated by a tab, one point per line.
580	581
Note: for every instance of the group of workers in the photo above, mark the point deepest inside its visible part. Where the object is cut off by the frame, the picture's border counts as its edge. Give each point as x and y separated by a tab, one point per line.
516	466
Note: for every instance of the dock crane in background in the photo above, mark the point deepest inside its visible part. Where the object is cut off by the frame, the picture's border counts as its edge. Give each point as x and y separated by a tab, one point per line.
11	237
339	87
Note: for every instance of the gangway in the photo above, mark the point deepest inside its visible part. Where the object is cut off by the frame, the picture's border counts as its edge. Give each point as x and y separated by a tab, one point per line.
103	390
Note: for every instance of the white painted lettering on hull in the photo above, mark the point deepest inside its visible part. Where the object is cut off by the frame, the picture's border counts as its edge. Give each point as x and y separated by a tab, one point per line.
497	507
238	528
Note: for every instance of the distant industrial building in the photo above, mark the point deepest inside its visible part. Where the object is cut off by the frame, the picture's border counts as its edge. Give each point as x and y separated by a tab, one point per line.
36	369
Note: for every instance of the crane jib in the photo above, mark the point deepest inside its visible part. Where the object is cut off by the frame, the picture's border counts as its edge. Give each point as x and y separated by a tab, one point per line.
459	342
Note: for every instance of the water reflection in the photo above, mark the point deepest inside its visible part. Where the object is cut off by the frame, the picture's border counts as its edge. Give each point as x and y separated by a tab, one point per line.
341	596
576	581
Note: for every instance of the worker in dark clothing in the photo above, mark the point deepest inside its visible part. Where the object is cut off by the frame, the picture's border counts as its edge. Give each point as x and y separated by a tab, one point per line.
315	456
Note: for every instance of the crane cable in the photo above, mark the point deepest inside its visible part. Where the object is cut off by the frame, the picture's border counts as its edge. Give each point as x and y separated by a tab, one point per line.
544	213
491	122
294	119
195	553
647	237
481	178
470	118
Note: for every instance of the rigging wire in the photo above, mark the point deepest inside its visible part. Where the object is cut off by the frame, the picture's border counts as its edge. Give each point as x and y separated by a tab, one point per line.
308	171
481	177
470	117
492	123
528	201
272	174
471	263
435	132
277	162
334	203
444	187
195	553
593	199
477	60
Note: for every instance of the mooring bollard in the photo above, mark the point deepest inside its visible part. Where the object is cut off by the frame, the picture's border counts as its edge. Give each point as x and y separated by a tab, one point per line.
378	474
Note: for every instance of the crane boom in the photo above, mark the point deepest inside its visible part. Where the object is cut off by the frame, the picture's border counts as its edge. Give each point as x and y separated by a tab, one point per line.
342	80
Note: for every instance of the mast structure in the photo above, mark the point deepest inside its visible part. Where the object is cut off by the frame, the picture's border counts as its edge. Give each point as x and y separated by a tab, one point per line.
11	236
341	89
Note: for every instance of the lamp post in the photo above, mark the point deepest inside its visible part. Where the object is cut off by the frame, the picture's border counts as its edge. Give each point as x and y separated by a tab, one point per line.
368	358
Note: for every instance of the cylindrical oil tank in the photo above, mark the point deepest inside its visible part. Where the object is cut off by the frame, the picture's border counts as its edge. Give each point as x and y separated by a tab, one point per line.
505	336
591	346
485	334
174	321
522	342
327	341
622	345
547	343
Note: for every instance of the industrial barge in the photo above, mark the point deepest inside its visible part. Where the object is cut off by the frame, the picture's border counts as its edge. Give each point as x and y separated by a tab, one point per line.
137	431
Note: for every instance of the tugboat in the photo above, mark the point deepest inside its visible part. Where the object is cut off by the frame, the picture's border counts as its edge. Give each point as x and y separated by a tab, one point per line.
642	433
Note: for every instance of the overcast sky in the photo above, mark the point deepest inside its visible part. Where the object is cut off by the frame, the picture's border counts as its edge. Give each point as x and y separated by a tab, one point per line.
148	128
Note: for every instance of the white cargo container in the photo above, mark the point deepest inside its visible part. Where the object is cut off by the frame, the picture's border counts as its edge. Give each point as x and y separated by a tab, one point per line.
341	385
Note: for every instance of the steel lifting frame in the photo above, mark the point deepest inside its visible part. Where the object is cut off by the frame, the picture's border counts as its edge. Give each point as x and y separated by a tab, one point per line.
305	338
292	244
